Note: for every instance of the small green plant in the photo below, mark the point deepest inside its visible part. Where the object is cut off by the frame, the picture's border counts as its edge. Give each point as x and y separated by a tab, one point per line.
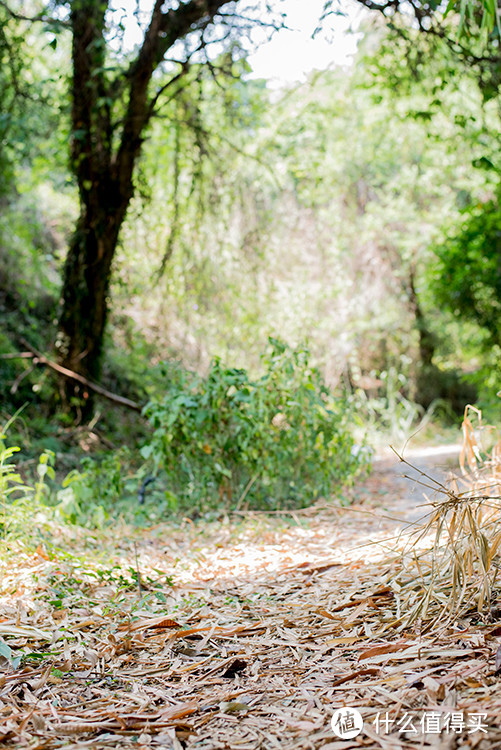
22	508
281	440
10	481
8	654
390	414
13	491
45	469
88	494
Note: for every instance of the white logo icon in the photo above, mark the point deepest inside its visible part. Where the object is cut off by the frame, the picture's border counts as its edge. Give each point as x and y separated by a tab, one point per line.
347	723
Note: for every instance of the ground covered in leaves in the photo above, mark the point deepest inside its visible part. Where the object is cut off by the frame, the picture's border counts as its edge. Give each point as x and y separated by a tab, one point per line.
244	634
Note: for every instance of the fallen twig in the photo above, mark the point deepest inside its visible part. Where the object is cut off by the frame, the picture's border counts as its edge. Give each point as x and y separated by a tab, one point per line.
39	358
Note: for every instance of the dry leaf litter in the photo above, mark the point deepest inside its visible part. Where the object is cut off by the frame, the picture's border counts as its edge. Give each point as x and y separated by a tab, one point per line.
249	633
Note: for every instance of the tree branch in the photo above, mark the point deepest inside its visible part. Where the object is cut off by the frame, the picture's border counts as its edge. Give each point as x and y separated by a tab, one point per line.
425	12
170	82
39	358
164	30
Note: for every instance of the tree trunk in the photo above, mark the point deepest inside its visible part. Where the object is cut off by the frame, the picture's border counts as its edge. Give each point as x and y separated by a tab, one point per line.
110	113
86	282
426	339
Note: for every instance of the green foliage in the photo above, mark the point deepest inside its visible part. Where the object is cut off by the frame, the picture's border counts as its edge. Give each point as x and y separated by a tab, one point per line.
34	210
45	469
280	440
467	278
89	494
12	486
329	193
390	413
31	104
22	507
14	133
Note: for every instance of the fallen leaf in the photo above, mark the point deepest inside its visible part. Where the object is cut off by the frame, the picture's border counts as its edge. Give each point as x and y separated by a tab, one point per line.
385	648
233	707
498	658
236	666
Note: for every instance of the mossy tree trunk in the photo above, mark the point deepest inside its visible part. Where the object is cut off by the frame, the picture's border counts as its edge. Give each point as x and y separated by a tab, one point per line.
111	110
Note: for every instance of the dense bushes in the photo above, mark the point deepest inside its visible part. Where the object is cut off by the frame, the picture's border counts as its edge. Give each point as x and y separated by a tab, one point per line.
280	440
467	277
222	441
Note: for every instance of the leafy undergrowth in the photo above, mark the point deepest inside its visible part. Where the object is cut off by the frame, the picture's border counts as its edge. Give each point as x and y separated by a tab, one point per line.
242	634
277	441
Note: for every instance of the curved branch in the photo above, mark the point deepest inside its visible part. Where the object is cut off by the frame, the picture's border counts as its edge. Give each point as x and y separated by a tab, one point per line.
164	30
39	358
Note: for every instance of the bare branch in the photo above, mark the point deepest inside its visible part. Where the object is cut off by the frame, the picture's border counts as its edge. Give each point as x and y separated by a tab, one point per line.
39	358
162	89
17	382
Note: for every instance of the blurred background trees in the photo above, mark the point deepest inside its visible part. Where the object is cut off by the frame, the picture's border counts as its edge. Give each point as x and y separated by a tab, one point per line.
355	212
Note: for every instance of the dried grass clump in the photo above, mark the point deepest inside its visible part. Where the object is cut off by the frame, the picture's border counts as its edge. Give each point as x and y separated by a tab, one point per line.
456	572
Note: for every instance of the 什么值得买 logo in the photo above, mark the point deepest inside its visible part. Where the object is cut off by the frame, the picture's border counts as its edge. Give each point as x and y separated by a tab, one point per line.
347	722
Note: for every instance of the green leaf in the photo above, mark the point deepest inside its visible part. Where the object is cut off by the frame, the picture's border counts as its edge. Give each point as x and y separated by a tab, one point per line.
7	653
222	470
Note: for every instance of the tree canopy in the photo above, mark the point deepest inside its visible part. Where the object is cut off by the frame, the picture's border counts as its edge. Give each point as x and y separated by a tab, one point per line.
184	175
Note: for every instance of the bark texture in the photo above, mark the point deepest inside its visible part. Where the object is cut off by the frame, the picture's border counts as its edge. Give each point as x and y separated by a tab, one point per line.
110	116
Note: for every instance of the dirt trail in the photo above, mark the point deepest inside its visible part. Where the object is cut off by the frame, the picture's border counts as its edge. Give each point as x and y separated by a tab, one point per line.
408	489
380	506
273	622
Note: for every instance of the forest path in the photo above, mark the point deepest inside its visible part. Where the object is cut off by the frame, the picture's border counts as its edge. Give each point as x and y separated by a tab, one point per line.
384	504
408	490
272	623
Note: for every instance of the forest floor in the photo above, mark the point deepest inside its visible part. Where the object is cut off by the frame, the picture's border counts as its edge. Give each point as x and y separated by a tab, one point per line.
245	634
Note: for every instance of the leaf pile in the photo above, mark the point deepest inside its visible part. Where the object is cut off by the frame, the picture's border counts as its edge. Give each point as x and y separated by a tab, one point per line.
238	635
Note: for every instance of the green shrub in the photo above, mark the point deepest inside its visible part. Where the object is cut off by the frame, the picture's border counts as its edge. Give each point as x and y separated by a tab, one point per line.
90	494
22	509
281	440
12	486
